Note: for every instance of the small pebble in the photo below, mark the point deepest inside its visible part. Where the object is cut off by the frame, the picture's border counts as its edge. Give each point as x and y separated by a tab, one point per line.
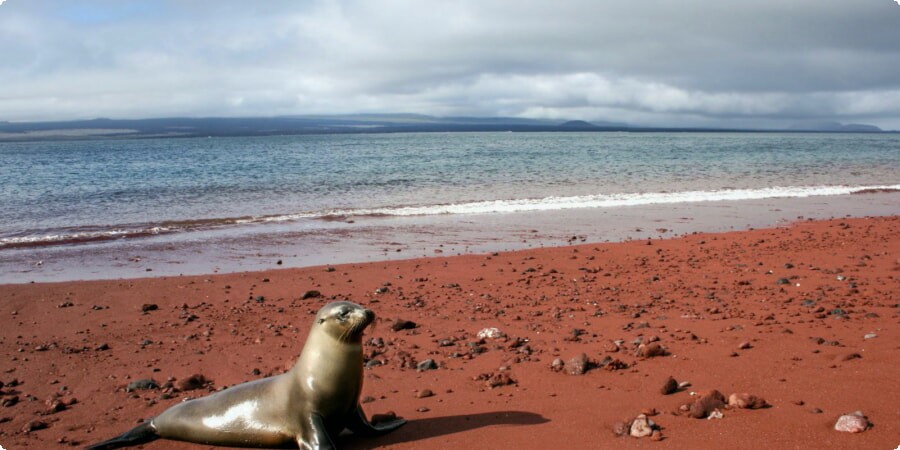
424	393
490	333
427	364
621	428
34	425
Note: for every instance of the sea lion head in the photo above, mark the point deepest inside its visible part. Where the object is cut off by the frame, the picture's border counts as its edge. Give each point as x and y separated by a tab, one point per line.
344	321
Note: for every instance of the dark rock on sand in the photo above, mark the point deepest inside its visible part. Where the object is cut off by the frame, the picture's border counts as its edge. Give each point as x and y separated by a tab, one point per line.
311	294
401	324
34	425
669	387
192	382
427	364
145	384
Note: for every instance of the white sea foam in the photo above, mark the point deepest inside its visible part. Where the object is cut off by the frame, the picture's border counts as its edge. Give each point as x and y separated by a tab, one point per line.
610	200
64	238
480	207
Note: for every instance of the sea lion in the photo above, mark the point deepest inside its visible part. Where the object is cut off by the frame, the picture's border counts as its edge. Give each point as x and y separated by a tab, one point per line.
306	406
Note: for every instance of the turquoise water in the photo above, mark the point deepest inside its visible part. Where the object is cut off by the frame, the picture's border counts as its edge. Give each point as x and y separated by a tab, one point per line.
67	192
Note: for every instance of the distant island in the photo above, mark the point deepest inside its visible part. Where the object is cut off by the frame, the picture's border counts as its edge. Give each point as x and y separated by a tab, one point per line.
104	128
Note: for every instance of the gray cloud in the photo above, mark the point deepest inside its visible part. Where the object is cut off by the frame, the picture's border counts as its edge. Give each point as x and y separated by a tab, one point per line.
655	62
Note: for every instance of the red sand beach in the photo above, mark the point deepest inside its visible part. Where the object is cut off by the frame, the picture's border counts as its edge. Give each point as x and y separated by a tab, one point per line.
804	317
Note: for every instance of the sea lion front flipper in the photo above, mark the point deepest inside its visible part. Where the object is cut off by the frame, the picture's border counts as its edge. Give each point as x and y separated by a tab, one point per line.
359	424
314	435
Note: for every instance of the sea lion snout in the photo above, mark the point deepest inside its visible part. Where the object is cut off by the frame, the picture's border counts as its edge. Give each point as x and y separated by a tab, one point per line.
344	320
369	315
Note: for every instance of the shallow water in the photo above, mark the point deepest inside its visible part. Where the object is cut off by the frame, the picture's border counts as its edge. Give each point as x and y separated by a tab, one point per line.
267	194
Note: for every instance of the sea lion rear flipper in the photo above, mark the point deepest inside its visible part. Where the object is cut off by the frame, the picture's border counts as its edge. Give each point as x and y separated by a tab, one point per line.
359	424
315	435
140	434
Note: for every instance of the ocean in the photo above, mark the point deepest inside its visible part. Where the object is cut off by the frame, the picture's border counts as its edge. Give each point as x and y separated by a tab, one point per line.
61	198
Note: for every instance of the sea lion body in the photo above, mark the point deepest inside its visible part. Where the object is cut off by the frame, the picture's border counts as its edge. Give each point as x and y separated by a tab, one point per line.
316	399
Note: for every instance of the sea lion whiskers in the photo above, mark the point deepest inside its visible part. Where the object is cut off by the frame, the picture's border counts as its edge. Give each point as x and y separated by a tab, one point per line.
355	331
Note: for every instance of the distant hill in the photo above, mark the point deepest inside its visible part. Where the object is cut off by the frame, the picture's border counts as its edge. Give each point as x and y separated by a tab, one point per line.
104	128
835	127
173	127
577	124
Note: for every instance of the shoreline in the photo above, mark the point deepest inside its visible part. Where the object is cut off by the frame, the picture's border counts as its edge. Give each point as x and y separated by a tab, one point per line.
261	246
702	296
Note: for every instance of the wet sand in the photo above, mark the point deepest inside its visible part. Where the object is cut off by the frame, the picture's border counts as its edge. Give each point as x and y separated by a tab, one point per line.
804	316
310	243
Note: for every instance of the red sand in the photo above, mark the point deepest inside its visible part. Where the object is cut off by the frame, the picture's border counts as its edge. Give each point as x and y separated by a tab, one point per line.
701	295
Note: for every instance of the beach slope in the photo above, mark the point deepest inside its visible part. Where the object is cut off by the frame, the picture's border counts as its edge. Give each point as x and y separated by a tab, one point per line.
804	317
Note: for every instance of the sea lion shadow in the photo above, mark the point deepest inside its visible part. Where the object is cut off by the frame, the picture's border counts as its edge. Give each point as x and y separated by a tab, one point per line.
417	429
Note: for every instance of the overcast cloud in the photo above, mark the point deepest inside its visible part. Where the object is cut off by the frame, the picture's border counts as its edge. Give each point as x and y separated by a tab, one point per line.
653	62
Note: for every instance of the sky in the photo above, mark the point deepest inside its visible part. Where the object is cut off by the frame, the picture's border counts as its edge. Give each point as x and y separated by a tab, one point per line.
723	63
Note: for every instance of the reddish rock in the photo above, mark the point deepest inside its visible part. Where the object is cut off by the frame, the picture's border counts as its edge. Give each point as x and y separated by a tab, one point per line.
577	365
497	380
744	400
424	393
650	350
34	425
849	356
615	364
706	403
55	406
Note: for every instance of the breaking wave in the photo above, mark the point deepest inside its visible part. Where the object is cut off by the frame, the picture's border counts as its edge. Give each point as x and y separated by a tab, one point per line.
50	237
